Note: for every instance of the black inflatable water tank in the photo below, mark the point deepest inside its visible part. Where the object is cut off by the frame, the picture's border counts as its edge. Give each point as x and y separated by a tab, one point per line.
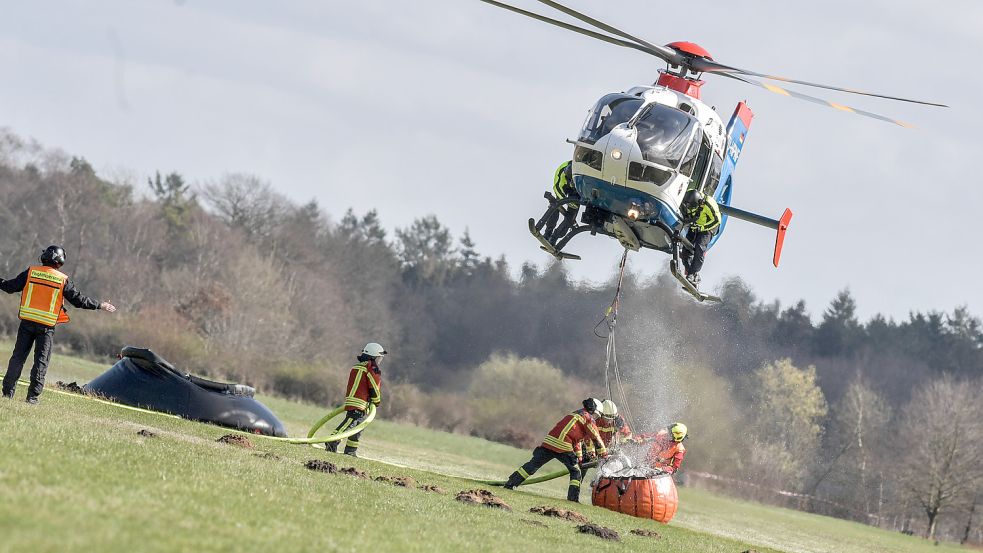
144	379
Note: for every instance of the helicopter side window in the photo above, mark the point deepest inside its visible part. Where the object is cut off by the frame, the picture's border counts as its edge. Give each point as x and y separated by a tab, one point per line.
701	164
689	160
610	111
664	134
713	178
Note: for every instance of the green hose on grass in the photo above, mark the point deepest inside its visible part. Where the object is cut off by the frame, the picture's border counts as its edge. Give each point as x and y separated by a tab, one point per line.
539	479
310	439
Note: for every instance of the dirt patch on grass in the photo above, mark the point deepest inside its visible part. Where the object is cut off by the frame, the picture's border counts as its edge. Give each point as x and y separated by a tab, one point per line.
433	488
320	465
548	511
146	433
531	522
482	497
72	387
651	534
599	531
401	481
352	471
269	455
236	440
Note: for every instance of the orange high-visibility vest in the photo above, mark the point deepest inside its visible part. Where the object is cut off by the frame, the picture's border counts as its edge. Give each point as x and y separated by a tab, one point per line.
42	297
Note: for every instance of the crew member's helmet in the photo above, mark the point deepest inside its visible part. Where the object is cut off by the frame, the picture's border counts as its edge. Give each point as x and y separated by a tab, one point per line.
678	431
374	350
693	198
608	409
53	256
592	405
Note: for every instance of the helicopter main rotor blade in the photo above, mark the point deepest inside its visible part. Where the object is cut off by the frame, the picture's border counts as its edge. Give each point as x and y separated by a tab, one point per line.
813	99
667	54
708	66
576	29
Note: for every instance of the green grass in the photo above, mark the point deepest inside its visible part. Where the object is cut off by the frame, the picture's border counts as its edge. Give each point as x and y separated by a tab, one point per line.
74	475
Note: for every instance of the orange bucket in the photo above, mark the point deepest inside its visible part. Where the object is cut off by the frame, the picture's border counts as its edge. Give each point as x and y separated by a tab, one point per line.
653	497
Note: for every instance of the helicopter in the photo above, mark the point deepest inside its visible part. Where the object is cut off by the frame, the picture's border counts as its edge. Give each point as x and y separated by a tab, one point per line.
640	151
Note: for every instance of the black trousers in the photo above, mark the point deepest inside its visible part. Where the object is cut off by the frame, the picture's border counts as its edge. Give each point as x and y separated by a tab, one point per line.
541	456
693	261
352	418
29	335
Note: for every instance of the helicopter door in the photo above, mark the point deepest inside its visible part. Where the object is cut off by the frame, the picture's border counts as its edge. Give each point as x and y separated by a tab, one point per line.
700	166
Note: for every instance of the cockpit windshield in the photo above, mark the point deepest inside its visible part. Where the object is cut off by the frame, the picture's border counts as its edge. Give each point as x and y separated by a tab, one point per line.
610	111
664	134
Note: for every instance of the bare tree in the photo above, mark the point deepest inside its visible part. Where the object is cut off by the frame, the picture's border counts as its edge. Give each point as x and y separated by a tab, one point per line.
247	203
942	446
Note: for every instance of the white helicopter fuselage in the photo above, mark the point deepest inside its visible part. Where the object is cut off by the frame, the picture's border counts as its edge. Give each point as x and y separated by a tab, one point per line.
637	155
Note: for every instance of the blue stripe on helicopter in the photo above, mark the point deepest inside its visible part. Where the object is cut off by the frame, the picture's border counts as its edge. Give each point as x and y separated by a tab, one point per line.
618	199
737	130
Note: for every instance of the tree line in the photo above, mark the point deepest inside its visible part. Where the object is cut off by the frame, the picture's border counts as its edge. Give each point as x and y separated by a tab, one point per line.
876	420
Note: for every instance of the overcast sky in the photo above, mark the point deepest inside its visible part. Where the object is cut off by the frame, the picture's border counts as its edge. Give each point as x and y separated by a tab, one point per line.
457	108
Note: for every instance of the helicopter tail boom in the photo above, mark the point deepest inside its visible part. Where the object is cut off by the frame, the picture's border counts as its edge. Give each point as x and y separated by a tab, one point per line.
780	225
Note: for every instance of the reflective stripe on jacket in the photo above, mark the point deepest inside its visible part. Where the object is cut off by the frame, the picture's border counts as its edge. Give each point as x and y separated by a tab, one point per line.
42	298
364	385
610	429
573	429
707	216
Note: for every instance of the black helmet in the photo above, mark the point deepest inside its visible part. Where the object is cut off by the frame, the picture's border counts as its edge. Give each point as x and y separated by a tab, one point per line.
693	198
53	256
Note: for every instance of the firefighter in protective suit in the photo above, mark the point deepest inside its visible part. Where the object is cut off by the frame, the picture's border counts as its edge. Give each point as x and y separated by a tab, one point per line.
612	426
43	289
667	451
364	387
702	214
565	443
562	188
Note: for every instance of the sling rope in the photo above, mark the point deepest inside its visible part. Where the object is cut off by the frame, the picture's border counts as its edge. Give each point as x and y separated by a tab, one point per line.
612	371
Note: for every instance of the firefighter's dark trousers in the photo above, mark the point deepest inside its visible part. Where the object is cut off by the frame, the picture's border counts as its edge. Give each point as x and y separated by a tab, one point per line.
541	456
29	335
693	261
553	234
352	418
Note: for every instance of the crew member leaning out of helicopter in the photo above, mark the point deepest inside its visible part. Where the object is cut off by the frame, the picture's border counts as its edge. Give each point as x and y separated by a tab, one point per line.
667	449
562	188
702	215
565	443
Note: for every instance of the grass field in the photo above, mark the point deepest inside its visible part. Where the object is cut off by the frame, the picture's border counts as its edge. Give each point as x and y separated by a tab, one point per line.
75	475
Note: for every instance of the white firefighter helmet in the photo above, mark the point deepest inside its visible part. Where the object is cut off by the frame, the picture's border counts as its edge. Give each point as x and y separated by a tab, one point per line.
608	409
373	349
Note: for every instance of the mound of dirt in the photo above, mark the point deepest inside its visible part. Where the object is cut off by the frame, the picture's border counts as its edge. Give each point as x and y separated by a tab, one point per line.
433	488
482	497
321	466
352	471
649	534
401	481
599	531
70	387
146	433
236	440
548	511
269	455
533	522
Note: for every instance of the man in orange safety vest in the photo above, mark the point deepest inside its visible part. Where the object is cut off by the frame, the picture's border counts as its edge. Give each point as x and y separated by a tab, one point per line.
43	289
364	387
667	451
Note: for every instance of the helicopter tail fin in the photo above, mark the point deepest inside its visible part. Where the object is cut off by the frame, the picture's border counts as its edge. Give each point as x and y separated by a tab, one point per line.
780	225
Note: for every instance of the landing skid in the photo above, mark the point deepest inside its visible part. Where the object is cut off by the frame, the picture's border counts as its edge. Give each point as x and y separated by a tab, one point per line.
687	285
546	246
